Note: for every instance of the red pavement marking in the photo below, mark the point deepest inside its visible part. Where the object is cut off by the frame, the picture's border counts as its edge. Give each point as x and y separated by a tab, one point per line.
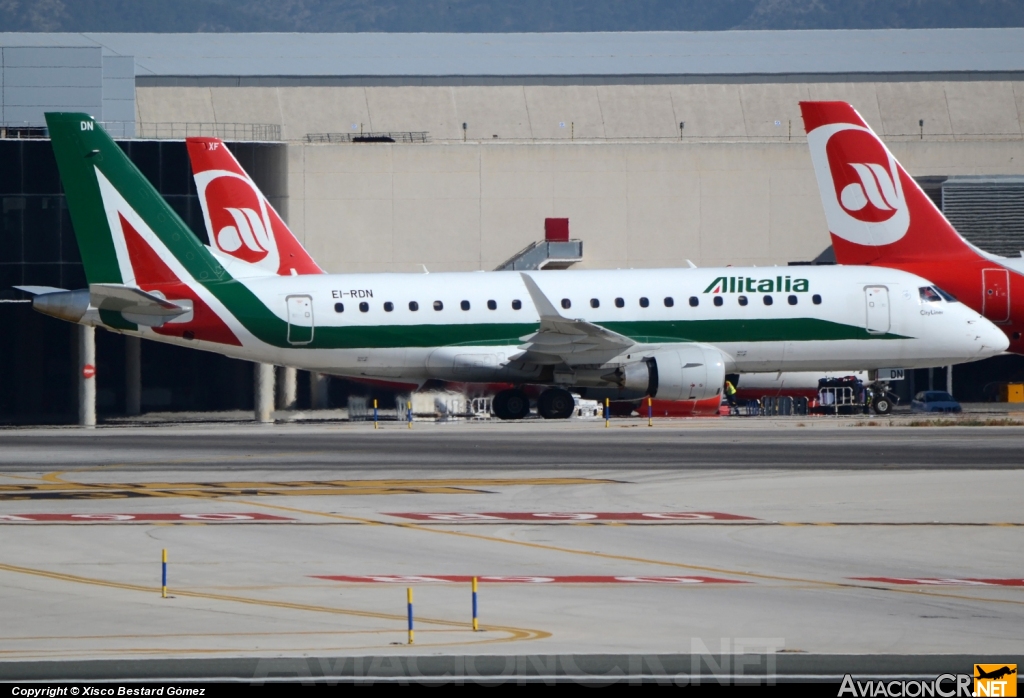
557	579
123	518
575	516
941	581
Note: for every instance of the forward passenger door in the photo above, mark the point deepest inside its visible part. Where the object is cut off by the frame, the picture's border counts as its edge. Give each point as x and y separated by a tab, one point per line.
876	299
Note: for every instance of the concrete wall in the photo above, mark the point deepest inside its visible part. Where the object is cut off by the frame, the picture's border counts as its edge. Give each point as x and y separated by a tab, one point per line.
710	111
455	206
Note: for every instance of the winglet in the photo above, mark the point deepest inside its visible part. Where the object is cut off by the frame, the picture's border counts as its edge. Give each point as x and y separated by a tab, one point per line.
545	308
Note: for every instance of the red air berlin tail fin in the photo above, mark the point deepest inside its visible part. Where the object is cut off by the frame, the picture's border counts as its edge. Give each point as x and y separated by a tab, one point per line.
240	221
876	212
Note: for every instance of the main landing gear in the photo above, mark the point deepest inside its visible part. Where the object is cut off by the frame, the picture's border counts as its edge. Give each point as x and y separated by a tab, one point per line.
556	403
511	404
553	403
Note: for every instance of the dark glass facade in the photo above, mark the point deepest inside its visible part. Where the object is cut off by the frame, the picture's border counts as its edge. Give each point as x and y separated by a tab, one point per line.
38	247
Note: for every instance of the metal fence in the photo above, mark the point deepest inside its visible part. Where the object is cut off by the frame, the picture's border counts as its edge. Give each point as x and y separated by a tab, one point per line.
227	131
370	137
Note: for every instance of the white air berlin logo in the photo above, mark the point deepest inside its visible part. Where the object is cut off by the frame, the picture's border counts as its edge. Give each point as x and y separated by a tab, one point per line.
875	187
238	219
248	230
860	185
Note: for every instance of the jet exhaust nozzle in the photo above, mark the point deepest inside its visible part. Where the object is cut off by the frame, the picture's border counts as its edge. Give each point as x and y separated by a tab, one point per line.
66	305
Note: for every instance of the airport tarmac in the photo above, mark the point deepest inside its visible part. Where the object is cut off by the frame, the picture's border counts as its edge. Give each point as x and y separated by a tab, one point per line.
293	540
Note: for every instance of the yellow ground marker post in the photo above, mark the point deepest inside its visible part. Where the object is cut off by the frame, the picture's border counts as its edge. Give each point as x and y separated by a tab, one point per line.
476	624
374	414
163	585
408	596
607	412
650	413
408	413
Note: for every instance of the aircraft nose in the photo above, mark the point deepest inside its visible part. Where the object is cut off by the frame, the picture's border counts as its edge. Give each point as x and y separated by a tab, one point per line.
989	339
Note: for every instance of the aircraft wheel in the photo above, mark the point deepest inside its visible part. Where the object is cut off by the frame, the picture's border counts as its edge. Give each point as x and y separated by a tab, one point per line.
882	404
511	404
556	403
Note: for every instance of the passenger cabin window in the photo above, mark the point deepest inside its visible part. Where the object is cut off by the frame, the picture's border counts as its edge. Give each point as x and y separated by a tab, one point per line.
816	299
792	300
464	305
594	303
620	303
517	305
438	305
742	300
669	301
492	305
339	307
644	302
414	306
929	294
388	307
694	301
566	303
768	300
364	307
719	301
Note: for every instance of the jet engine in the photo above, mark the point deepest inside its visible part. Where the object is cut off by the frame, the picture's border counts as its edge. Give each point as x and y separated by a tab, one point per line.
684	372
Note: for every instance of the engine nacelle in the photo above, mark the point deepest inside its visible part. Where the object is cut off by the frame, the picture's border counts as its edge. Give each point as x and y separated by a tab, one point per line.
686	372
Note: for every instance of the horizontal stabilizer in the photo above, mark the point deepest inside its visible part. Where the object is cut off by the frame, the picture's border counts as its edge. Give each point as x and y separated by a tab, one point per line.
135	304
40	290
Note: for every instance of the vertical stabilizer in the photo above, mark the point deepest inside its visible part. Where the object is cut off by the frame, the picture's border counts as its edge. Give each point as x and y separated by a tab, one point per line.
241	223
876	212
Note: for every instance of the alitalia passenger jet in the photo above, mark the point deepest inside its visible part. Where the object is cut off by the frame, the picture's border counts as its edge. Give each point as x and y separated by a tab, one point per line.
668	333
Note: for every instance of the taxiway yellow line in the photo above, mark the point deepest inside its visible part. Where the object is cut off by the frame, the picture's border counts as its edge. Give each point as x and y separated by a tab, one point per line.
514	634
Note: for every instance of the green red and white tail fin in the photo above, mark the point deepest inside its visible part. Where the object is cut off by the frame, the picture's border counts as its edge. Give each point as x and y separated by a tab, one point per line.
245	231
876	212
129	236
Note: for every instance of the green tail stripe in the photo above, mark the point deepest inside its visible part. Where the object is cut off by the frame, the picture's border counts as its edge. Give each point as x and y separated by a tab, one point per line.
81	145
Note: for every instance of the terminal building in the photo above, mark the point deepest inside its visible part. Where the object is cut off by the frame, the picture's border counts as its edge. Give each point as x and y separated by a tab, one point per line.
391	152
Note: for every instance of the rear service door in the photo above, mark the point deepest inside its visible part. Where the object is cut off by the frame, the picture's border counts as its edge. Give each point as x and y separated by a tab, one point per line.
300	319
876	299
995	294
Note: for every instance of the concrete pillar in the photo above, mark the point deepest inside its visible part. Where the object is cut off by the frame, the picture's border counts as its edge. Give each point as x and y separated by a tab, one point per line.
318	383
86	375
286	388
949	379
132	376
263	392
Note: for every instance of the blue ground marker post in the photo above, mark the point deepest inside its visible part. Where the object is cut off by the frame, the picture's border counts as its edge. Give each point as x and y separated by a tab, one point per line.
476	624
408	413
650	412
163	582
408	596
607	412
374	414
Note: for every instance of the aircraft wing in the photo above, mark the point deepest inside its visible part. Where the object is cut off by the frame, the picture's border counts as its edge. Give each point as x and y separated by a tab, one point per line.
562	340
135	304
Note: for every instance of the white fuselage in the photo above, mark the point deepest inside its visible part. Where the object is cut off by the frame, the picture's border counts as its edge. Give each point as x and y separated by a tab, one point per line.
864	318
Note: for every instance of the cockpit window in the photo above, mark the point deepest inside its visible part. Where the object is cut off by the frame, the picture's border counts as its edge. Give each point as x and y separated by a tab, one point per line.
945	294
929	294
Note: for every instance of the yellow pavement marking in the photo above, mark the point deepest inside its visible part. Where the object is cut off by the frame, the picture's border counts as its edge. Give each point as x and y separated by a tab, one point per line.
55	487
514	634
